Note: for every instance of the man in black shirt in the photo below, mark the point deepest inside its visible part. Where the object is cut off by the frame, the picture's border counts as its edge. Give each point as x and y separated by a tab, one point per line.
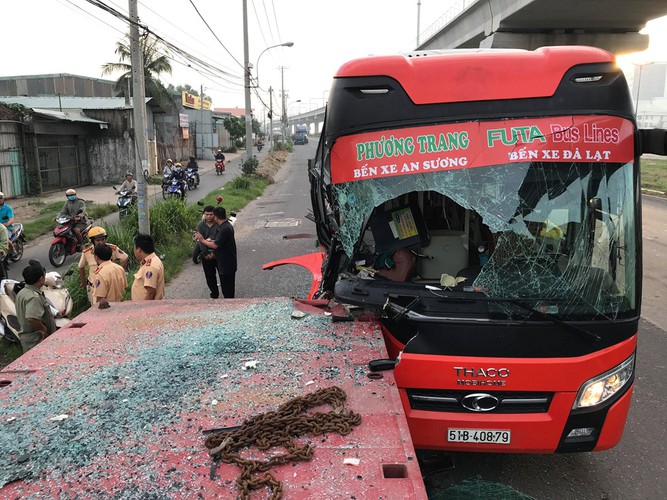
224	248
208	228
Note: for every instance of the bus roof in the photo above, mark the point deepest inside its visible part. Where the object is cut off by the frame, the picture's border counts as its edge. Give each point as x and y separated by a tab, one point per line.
476	75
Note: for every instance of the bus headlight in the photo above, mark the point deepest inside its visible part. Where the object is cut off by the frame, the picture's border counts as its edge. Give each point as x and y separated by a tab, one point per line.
599	389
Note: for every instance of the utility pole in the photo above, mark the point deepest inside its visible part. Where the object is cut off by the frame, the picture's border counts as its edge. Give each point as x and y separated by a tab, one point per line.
201	118
419	8
284	117
139	106
270	118
246	79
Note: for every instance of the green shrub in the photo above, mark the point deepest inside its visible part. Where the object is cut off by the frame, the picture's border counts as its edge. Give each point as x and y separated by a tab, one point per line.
240	183
249	167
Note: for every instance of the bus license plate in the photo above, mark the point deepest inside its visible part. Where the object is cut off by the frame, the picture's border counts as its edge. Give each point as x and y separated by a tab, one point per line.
484	436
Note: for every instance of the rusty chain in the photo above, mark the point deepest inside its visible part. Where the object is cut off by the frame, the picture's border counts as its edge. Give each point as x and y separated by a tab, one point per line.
278	429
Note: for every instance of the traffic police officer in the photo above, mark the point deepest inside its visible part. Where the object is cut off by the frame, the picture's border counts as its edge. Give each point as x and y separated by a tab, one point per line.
149	280
109	281
97	236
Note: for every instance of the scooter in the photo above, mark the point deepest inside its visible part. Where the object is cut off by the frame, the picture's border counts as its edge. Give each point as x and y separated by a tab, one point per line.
17	238
166	181
192	177
64	242
176	189
54	290
124	202
219	167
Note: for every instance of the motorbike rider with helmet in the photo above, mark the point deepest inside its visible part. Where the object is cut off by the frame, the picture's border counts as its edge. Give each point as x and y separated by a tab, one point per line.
75	208
168	168
194	166
6	214
179	174
129	185
219	155
97	236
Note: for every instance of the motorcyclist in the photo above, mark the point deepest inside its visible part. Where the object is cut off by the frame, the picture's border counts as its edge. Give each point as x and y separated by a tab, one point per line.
129	185
168	168
194	166
75	208
179	174
6	214
219	155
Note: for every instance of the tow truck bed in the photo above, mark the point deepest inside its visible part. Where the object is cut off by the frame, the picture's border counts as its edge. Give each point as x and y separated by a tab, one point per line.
116	403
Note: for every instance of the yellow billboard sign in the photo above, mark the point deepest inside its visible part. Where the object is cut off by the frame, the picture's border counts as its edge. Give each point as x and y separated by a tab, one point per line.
194	102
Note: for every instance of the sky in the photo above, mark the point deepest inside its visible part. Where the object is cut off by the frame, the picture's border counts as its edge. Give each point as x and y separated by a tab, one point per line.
73	36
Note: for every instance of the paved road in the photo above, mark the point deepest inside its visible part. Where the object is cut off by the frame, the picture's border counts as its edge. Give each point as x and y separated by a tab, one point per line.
635	469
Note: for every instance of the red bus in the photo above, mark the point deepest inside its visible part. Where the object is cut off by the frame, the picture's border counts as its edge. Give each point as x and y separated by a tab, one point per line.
484	206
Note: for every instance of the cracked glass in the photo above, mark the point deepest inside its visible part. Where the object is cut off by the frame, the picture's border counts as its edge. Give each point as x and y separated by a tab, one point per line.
557	237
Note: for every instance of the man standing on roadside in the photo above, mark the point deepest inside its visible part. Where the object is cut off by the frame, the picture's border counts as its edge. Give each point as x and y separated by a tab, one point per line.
97	236
224	247
149	280
109	280
208	228
33	309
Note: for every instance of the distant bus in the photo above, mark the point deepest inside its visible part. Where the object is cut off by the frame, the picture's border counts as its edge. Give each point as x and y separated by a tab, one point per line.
485	206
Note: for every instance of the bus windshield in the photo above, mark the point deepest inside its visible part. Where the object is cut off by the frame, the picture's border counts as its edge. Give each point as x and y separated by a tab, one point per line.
534	227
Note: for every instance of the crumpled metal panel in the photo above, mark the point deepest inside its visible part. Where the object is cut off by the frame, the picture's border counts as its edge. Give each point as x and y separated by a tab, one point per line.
115	404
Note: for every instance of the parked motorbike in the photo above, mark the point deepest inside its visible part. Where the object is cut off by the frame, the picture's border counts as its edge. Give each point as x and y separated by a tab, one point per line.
54	290
176	189
64	242
192	178
125	200
219	167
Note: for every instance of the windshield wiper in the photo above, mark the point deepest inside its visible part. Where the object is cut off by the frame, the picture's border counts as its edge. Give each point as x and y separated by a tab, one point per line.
551	317
404	310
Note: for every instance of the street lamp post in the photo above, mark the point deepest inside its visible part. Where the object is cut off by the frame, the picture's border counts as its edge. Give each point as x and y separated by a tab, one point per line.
286	44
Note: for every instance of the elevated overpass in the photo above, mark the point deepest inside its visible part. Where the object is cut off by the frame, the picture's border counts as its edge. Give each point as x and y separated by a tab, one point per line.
613	25
314	119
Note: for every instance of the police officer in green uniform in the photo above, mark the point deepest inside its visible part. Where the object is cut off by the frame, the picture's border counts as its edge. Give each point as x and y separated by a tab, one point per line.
33	310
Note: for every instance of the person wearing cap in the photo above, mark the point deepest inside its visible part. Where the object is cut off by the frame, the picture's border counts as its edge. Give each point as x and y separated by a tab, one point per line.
33	309
6	214
97	236
109	281
75	208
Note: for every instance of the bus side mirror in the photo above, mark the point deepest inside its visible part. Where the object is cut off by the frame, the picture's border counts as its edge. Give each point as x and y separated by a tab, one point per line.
653	141
310	163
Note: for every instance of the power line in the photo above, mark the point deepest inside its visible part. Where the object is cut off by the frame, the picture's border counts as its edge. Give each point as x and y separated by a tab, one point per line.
168	44
216	36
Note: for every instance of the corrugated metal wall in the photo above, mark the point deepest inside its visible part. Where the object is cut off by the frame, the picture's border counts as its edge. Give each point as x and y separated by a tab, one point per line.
12	173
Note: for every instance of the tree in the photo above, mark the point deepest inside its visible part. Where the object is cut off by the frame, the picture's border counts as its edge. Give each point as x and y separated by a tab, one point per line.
235	125
156	62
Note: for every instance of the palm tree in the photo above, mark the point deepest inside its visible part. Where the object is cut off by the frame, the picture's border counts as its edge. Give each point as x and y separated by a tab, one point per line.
156	62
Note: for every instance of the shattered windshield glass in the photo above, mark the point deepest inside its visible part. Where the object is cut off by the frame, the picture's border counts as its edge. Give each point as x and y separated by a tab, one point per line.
559	235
